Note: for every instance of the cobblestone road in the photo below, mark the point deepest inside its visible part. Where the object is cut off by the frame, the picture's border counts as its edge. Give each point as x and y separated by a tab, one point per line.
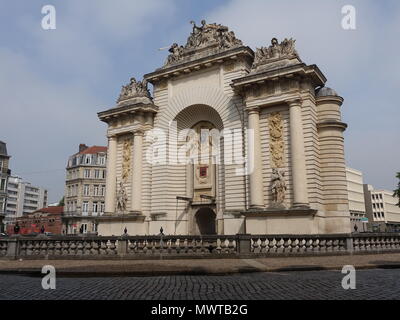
371	284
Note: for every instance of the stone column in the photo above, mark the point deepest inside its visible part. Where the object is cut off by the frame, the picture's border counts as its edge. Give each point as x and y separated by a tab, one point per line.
136	187
111	178
298	159
256	182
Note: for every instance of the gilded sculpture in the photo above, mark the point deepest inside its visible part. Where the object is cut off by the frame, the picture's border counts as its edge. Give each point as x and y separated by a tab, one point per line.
126	159
276	143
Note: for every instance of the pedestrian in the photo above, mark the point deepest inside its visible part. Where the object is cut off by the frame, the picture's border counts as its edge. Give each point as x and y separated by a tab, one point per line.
16	228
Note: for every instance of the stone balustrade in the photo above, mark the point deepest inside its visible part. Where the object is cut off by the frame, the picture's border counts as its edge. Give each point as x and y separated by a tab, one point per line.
213	246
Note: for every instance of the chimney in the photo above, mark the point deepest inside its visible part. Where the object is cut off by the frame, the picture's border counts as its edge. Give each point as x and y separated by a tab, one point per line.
82	147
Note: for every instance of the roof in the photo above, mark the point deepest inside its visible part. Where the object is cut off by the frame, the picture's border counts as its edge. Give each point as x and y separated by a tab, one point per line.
93	150
3	149
51	210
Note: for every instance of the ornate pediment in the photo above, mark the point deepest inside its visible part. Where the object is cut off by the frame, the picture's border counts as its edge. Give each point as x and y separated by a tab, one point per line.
214	37
134	89
277	53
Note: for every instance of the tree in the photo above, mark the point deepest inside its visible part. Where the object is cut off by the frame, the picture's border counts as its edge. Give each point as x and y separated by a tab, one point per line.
397	191
61	203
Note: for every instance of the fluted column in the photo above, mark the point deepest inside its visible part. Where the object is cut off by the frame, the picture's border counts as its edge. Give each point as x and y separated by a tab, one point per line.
256	182
298	158
111	178
136	193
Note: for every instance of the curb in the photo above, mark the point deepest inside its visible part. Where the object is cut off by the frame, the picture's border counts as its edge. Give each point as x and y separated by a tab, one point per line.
203	272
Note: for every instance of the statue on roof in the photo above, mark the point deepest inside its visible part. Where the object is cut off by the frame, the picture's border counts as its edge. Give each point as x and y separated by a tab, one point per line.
275	51
134	89
213	35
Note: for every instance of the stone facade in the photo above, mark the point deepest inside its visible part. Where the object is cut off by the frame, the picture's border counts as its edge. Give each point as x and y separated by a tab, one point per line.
382	210
355	189
23	198
290	133
4	175
85	190
50	219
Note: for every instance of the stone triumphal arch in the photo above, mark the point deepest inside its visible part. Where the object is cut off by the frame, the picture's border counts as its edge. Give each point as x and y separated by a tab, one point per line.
230	141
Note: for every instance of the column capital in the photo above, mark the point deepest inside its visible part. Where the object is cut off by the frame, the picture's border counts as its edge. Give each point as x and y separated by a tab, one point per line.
295	102
138	132
254	110
112	137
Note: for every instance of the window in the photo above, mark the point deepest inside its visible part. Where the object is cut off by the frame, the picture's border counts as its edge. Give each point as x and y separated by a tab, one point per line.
86	190
87	173
84	227
104	174
96	190
3	185
94	227
85	207
102	207
95	207
88	159
103	190
102	160
97	174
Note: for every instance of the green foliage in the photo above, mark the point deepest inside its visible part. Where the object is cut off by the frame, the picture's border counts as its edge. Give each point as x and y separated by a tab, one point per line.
396	192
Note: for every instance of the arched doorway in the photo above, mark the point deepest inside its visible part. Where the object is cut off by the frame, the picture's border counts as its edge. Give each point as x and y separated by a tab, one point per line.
205	220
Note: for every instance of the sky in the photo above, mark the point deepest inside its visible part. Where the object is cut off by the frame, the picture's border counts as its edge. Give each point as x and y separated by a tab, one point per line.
53	82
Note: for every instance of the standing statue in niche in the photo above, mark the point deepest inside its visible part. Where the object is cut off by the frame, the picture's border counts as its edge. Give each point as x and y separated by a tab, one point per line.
278	186
122	198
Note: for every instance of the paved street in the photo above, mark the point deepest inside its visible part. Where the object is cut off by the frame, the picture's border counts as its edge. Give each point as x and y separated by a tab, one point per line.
371	284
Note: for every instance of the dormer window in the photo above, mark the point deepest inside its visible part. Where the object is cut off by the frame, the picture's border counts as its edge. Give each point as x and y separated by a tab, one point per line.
88	159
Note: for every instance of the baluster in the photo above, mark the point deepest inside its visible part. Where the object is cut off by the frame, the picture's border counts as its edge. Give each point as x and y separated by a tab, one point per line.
50	248
256	246
79	248
316	246
65	248
367	244
58	248
263	245
113	247
302	245
335	245
22	248
286	245
95	248
88	248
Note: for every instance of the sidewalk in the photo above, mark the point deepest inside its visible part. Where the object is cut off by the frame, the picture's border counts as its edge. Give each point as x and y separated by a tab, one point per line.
89	268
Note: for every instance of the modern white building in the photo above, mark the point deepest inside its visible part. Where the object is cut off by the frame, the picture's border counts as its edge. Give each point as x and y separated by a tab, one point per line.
382	211
23	198
356	199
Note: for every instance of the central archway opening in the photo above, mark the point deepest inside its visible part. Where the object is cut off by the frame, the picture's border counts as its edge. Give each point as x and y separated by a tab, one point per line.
206	221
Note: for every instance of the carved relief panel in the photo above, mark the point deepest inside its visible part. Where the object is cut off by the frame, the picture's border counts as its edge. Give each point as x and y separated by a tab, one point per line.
204	169
276	143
